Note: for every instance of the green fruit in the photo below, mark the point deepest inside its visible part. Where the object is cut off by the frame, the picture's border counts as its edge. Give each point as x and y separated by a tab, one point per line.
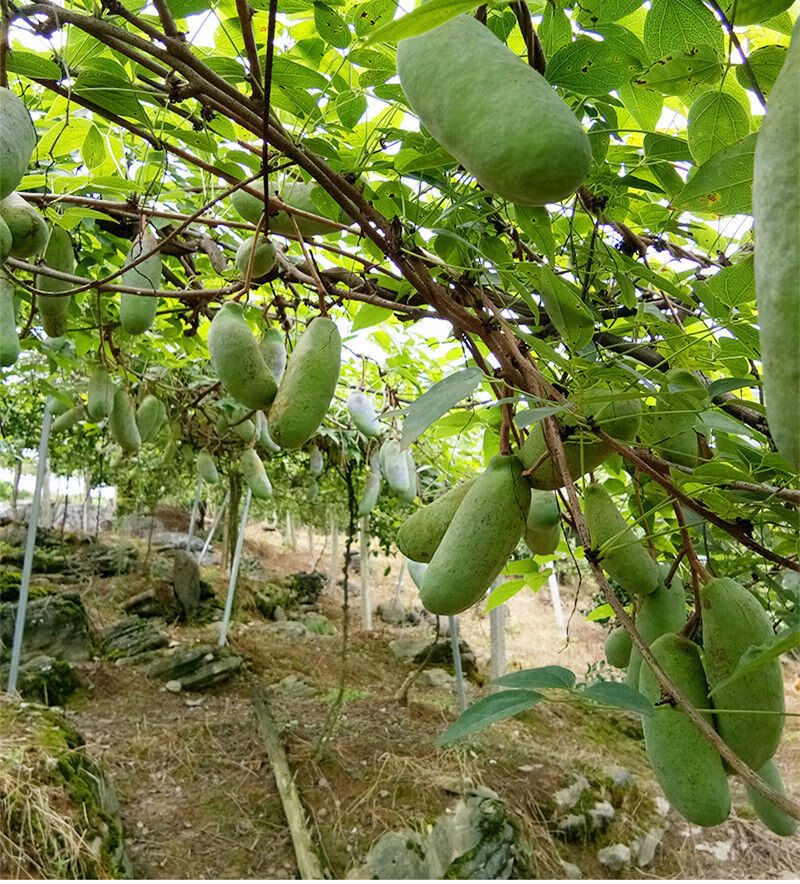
294	193
369	496
262	432
6	242
54	308
422	532
68	419
245	430
410	491
681	448
774	819
620	552
733	621
618	648
150	417
122	423
493	112
394	466
237	360
751	12
100	398
483	533
362	414
17	141
264	259
662	611
312	492
138	312
542	528
308	385
206	468
687	767
776	213
254	475
273	350
9	339
28	230
316	464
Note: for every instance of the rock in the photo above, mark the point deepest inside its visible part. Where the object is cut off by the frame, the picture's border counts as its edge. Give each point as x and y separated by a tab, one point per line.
143	604
131	637
197	667
440	654
318	623
646	849
44	680
55	625
290	628
413	617
571	871
392	613
306	587
661	806
435	678
166	540
622	782
394	856
614	857
295	686
186	582
108	561
279	615
408	647
573	827
568	797
720	850
600	816
173	686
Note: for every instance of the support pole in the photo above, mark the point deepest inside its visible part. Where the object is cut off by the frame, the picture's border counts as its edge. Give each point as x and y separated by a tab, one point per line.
399	587
193	517
334	569
311	543
555	596
217	518
27	566
497	631
461	691
366	602
237	557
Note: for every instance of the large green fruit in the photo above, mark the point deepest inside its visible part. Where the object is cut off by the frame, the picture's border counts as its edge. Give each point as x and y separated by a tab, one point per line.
542	528
662	611
273	350
621	553
394	466
687	767
28	229
100	398
264	259
618	648
9	339
245	430
54	308
294	193
122	423
254	474
308	385
776	213
6	243
733	621
362	414
483	533
150	418
138	312
206	468
422	532
17	141
68	419
750	12
774	819
237	359
493	112
369	496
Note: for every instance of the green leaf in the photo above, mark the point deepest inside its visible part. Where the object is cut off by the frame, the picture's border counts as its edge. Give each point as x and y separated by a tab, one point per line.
505	591
115	95
618	695
374	13
722	185
600	613
677	26
569	315
643	105
350	108
370	314
182	8
493	708
534	415
93	149
734	285
286	72
715	120
681	71
437	401
331	26
591	67
28	64
534	222
666	147
757	656
420	20
538	679
727	385
591	12
766	63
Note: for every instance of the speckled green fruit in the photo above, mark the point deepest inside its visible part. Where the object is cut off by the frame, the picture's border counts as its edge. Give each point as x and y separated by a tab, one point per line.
307	387
122	423
9	339
482	534
264	259
254	475
273	349
100	397
54	309
68	419
733	621
750	12
542	529
394	466
622	554
774	819
362	414
17	141
206	468
237	360
662	611
493	112
151	416
264	440
687	767
776	213
28	229
422	532
137	313
6	242
618	648
409	493
294	193
369	496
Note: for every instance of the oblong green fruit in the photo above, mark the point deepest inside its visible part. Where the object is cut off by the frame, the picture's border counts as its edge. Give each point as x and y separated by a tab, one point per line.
237	360
68	419
316	463
621	553
750	12
493	112
733	621
687	767
245	430
369	496
138	312
150	417
100	398
9	339
618	648
410	491
206	468
264	259
28	229
6	242
254	474
294	193
273	350
542	527
122	423
312	491
773	818
422	532
394	466
482	535
17	141
776	213
662	611
362	414
264	440
54	309
308	386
